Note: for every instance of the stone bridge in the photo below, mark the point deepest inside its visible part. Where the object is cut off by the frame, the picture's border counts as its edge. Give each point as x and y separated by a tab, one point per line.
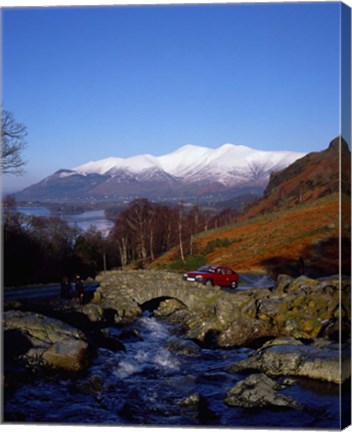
226	318
128	291
144	286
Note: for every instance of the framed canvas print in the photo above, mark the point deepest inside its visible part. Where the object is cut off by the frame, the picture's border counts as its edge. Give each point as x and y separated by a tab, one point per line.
176	215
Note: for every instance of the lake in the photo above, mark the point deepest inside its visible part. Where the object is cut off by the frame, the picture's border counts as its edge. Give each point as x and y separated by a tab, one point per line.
83	220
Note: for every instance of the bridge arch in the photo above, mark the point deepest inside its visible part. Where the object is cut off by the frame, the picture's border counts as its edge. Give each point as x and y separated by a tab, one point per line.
154	303
144	295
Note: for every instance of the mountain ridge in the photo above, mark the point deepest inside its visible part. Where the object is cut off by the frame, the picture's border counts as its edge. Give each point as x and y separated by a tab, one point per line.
187	158
190	172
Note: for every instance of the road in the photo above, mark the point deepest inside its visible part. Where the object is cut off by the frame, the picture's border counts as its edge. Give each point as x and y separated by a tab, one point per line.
47	291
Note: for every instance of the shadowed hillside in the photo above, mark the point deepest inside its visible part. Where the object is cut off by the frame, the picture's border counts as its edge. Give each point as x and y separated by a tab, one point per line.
314	176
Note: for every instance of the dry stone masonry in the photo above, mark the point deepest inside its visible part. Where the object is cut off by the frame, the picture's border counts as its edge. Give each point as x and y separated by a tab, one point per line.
293	322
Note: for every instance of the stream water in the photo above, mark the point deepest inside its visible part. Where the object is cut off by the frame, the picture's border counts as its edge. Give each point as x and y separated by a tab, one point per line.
145	384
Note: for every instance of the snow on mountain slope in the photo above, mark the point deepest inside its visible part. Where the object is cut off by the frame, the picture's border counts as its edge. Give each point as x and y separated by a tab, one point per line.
99	167
232	164
179	162
229	163
191	172
134	164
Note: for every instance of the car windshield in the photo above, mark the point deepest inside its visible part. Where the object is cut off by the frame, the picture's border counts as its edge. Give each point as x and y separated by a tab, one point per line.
207	269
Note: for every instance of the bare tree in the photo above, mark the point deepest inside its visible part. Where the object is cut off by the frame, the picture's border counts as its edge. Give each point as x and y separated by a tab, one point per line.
207	215
122	244
13	141
180	228
120	238
193	225
257	170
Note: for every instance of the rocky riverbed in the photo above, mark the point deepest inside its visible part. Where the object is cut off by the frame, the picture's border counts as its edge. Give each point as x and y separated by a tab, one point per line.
289	331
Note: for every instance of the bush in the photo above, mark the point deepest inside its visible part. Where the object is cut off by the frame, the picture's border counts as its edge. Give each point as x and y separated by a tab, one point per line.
191	263
215	244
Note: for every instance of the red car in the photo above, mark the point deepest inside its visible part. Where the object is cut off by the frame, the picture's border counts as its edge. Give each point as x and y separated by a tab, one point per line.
213	275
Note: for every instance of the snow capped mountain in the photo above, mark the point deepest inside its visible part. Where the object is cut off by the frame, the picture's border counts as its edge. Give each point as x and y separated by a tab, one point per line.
188	172
227	164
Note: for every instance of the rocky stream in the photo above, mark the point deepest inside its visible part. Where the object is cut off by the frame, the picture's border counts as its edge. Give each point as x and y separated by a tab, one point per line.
147	348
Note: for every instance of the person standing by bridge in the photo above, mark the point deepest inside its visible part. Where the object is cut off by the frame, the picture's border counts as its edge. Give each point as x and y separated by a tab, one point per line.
65	288
79	289
300	266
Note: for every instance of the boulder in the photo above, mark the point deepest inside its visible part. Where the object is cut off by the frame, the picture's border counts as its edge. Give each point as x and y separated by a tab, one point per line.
202	328
92	385
225	311
287	357
93	311
39	328
126	312
68	354
50	342
282	283
307	307
245	332
193	399
303	285
258	391
168	307
183	347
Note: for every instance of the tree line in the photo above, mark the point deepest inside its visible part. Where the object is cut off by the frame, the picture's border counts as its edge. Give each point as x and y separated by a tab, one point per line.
145	230
39	249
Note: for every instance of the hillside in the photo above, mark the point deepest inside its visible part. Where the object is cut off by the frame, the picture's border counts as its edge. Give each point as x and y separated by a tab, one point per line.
309	178
297	216
273	243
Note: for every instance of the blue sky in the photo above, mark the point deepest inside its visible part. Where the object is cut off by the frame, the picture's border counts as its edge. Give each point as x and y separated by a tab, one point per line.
95	82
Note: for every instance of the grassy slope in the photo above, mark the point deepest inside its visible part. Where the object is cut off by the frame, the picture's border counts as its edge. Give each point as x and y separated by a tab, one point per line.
273	243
